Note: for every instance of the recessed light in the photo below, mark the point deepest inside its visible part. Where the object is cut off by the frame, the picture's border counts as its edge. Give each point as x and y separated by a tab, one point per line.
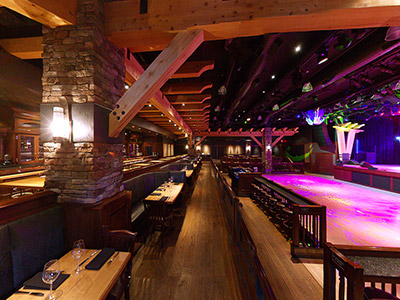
183	104
263	92
272	77
174	124
149	105
169	121
126	86
298	48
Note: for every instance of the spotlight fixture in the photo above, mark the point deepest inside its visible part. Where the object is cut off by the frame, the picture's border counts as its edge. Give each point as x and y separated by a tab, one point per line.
183	104
273	77
298	48
275	107
126	86
315	117
307	87
248	119
393	33
169	121
149	105
322	55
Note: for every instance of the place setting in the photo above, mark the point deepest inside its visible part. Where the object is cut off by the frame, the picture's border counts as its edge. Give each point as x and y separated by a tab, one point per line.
56	272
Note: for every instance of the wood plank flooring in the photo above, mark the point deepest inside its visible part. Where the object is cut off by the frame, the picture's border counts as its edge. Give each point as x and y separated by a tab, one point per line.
289	278
196	261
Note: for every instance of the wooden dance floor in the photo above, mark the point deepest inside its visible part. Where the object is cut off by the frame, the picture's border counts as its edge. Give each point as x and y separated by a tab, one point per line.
356	214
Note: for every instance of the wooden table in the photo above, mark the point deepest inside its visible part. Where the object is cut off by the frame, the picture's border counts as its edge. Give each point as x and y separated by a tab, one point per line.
20	175
28	182
89	284
171	192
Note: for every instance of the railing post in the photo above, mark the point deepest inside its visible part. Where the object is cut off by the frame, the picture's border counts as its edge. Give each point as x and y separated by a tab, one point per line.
323	226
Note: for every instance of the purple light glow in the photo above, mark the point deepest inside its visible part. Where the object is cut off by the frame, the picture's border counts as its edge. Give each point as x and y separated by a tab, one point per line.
315	117
355	214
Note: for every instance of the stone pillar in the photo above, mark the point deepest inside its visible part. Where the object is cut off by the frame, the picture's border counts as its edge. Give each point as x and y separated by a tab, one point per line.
81	66
267	150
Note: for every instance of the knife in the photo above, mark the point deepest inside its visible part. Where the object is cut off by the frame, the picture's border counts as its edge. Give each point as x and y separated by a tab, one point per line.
30	293
112	258
89	257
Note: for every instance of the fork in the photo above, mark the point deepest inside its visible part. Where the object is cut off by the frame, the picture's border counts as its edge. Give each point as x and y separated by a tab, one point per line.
112	258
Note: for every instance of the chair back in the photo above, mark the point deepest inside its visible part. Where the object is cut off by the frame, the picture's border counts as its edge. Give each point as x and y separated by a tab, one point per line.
156	211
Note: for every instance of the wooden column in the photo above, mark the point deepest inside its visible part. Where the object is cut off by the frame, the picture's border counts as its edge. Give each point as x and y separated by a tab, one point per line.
267	150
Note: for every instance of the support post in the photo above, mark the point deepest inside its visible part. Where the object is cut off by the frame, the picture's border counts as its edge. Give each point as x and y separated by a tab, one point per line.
267	150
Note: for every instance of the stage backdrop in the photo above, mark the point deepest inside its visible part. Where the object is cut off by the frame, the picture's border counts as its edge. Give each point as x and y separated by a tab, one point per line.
380	133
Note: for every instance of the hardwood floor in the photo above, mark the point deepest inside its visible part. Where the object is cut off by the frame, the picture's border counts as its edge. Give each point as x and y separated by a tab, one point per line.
289	278
196	261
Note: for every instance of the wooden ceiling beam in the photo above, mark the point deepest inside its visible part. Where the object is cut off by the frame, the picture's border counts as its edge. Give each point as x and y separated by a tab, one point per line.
152	31
192	69
189	99
24	48
47	12
278	133
192	107
179	88
159	103
150	82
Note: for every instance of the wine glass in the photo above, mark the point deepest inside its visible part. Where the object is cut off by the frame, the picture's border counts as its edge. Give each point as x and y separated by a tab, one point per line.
78	249
51	270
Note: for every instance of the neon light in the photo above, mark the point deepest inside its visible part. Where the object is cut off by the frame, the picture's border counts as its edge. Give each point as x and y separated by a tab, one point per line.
398	138
315	117
357	146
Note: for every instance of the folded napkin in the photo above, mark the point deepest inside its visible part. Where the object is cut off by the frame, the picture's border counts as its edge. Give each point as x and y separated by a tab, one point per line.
164	198
37	283
100	259
155	194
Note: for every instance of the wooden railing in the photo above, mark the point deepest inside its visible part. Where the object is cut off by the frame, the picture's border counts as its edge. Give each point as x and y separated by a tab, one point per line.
352	266
298	218
254	281
287	167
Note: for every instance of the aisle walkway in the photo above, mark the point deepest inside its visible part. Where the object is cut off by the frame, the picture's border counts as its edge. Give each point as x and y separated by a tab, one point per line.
195	262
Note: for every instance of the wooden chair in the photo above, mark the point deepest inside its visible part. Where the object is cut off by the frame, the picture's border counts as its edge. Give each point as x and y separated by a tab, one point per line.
159	217
120	240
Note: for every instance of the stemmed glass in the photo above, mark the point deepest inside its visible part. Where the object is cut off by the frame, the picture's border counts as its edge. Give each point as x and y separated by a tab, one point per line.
78	249
50	273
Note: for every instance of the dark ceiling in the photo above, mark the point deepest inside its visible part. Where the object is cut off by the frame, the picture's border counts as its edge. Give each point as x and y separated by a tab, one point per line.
264	77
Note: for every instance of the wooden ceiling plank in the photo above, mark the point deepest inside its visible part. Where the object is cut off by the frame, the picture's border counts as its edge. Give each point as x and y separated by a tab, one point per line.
179	88
189	99
154	30
150	82
47	12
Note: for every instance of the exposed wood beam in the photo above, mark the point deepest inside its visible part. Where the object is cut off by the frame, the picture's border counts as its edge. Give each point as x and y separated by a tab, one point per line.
199	142
195	113
152	31
178	88
150	82
142	123
192	107
282	133
160	102
276	141
189	99
193	69
47	12
24	48
257	141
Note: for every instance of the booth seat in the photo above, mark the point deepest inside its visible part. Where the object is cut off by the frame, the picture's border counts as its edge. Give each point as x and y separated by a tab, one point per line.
177	166
27	244
144	184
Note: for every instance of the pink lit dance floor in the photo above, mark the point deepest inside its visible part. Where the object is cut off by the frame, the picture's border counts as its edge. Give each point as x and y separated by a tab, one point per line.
356	214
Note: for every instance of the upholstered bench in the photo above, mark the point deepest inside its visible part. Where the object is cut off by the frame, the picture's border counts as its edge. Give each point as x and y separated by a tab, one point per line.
27	244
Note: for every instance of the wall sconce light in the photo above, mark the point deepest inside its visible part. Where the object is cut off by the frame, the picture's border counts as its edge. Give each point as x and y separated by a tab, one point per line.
198	148
268	147
60	124
187	146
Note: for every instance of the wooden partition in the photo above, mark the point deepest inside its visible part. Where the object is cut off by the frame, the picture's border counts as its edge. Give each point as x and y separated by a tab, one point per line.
253	278
85	221
355	267
298	218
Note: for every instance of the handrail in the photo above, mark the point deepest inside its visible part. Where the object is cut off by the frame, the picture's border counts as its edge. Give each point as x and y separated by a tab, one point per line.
253	274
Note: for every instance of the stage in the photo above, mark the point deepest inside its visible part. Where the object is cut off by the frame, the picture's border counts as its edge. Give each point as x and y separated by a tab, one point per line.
356	214
386	177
